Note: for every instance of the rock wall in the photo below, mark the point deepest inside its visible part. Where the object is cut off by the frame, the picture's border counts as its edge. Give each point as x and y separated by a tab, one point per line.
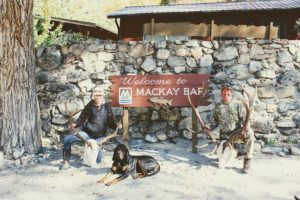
67	74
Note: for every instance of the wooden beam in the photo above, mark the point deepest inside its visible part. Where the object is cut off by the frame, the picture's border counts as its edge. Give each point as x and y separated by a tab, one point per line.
152	28
212	24
270	30
194	135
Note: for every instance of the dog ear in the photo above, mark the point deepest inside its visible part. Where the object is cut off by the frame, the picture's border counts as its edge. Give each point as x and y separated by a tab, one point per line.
127	156
114	158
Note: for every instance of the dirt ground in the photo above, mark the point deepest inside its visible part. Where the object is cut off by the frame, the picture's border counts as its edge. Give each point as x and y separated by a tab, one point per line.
183	175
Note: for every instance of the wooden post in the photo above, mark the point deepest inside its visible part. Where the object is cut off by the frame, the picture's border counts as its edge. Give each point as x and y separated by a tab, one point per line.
212	23
152	28
270	30
194	135
126	127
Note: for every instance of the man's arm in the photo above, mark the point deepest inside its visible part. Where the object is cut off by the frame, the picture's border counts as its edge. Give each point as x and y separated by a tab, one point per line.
242	117
83	115
214	119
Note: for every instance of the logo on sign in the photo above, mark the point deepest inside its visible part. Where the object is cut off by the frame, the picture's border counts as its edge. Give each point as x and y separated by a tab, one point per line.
125	95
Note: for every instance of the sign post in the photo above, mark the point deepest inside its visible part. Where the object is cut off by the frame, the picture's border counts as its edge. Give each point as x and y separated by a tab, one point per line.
126	127
194	134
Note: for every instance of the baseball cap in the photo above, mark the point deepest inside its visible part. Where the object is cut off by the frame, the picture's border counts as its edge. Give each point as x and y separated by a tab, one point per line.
226	86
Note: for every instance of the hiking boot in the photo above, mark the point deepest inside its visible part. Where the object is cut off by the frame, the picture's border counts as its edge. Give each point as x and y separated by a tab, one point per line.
65	165
246	167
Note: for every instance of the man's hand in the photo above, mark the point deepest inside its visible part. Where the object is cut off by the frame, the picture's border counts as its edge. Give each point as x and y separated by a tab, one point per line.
119	125
72	126
245	130
206	128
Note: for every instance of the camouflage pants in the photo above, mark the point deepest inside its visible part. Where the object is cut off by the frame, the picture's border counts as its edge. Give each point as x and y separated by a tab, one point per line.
248	142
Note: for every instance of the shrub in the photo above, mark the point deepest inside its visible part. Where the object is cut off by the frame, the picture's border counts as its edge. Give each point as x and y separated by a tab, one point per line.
46	35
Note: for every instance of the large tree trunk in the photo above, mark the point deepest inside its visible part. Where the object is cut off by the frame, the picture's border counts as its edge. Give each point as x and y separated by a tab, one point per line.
20	129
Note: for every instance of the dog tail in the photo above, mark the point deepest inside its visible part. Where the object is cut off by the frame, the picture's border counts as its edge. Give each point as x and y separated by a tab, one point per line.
296	198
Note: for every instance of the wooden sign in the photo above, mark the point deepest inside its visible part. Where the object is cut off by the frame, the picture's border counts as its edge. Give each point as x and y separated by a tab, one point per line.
158	90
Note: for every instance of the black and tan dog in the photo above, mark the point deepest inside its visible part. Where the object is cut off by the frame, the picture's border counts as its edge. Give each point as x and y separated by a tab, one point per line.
126	164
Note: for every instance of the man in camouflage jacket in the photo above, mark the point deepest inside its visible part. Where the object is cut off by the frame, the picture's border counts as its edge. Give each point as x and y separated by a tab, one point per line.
229	117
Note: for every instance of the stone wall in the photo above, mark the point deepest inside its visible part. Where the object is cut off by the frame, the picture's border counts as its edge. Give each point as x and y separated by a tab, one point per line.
67	74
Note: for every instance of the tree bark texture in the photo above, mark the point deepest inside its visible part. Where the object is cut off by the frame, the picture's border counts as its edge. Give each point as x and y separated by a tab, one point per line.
20	129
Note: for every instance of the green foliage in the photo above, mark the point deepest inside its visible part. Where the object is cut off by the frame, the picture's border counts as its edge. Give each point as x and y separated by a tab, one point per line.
43	29
43	33
46	34
69	38
270	141
165	2
291	140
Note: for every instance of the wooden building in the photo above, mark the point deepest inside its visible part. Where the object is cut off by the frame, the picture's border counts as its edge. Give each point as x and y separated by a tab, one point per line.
231	20
86	28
